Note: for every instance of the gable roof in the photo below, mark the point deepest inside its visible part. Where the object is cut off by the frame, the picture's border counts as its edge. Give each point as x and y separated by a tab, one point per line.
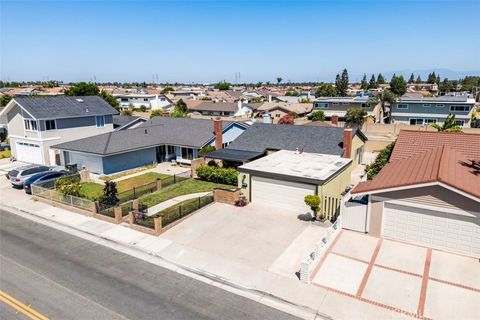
430	157
194	133
299	108
261	136
57	107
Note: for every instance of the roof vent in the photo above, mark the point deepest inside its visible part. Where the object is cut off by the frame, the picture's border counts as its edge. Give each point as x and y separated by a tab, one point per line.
86	110
146	131
79	100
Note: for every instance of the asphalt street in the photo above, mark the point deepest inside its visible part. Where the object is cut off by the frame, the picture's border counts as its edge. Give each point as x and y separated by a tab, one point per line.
65	277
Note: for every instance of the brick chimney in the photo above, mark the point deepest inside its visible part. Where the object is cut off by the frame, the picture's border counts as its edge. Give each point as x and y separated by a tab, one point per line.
347	143
334	119
217	130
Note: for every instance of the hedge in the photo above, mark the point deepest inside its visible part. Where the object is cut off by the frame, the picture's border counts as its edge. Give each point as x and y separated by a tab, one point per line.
218	175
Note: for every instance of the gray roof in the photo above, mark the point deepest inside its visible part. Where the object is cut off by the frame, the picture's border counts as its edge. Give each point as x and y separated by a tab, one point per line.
185	132
119	120
261	136
234	155
48	107
441	99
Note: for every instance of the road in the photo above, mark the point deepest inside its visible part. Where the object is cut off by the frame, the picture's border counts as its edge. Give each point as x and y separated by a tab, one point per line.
66	277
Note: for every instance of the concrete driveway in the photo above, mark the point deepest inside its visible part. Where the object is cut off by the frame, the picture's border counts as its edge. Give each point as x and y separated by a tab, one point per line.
260	237
404	278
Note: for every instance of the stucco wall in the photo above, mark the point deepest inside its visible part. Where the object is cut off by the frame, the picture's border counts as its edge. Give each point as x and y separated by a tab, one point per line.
357	143
129	160
331	191
244	190
91	162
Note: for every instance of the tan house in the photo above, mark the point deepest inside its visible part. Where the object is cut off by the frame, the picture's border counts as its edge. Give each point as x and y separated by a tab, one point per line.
429	192
276	110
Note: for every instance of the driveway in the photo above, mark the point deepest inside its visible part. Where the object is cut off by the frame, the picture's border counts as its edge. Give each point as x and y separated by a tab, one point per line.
260	237
404	278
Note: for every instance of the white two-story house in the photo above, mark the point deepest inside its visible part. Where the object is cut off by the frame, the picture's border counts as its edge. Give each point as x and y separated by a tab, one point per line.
37	122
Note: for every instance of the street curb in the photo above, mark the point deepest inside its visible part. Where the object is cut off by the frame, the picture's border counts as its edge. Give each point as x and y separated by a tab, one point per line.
257	295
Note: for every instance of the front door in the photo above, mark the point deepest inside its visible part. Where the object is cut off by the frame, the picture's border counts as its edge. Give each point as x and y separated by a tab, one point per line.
161	154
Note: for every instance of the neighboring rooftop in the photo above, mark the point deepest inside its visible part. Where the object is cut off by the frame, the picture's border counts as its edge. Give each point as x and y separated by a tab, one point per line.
234	155
299	108
442	99
303	166
120	120
57	107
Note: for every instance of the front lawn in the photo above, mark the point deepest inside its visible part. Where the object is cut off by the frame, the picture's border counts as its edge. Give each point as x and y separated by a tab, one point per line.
136	181
180	189
91	190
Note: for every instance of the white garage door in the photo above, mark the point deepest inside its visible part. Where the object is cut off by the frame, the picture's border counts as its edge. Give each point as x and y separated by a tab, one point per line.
432	228
280	193
29	152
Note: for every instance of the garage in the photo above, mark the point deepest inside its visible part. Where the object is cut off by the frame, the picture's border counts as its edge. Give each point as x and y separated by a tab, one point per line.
285	194
435	229
29	152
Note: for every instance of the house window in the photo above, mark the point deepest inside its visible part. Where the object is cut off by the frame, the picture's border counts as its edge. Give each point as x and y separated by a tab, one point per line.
145	99
427	105
124	99
421	121
364	105
170	149
321	105
50	125
460	122
187	153
30	124
459	108
100	121
440	105
402	106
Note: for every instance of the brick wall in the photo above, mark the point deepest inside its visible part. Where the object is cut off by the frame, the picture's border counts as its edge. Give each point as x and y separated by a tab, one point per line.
226	196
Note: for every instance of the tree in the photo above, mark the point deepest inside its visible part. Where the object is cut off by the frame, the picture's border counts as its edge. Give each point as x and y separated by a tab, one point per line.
412	79
380	79
380	161
126	112
446	85
167	89
286	119
156	113
326	90
432	78
110	192
82	89
385	97
398	85
279	79
111	100
313	201
341	83
206	149
437	80
364	83
449	125
222	86
318	115
5	99
419	79
355	117
470	82
373	83
181	106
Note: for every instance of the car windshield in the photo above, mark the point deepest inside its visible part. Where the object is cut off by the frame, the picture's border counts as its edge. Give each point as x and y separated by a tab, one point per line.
13	173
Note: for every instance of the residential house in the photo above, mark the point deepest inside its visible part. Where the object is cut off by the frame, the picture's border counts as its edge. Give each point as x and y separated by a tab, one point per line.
423	111
299	160
225	109
127	122
429	192
276	110
37	122
139	99
338	106
158	140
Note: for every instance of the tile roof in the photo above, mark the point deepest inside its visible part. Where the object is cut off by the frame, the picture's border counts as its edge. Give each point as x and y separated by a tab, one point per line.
427	157
299	108
48	107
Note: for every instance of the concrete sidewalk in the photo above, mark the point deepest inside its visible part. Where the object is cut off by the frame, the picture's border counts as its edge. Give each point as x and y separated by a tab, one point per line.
284	293
171	202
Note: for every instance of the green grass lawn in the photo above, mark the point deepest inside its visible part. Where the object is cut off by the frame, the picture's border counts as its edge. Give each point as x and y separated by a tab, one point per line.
91	190
180	189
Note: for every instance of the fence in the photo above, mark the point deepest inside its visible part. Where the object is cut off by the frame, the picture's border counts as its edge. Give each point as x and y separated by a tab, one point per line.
55	196
308	265
330	206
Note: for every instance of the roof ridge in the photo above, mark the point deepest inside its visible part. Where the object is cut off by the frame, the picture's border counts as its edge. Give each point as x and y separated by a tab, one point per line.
108	141
442	154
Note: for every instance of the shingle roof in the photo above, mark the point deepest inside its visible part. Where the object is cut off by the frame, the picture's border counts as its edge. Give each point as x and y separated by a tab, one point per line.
48	107
412	142
234	155
260	137
215	106
440	164
119	120
185	132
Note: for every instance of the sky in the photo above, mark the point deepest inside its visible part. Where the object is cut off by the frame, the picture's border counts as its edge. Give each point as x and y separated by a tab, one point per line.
209	41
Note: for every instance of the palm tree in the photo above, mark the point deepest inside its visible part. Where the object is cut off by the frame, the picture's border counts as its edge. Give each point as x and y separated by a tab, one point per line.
386	96
279	79
449	125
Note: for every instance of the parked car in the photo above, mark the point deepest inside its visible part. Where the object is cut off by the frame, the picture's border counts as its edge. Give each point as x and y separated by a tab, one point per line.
18	175
39	177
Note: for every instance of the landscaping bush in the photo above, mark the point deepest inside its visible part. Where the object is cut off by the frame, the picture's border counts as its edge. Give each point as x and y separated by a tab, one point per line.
286	119
318	115
380	161
69	186
206	149
218	175
110	192
313	201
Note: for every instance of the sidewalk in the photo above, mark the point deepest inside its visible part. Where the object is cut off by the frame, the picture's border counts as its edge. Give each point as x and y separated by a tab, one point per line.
171	202
287	294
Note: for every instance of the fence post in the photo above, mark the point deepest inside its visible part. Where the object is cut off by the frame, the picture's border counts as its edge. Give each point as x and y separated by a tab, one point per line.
134	197
135	204
130	218
118	214
157	222
174	178
199	202
159	184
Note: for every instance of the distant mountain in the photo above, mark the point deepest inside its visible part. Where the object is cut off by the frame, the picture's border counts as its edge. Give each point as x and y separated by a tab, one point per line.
442	72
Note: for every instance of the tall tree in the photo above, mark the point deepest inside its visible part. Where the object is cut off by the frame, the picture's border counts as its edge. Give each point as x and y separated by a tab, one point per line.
279	79
355	117
412	79
446	85
82	89
326	90
364	83
432	78
110	99
449	125
419	79
380	79
437	80
398	85
342	83
373	83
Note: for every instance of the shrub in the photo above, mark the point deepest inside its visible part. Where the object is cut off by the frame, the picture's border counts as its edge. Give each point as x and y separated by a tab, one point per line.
206	149
127	112
286	119
218	175
143	108
380	161
313	201
69	186
156	113
242	202
318	115
110	192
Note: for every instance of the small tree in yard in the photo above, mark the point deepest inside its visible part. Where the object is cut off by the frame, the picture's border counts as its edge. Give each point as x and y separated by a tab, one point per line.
355	117
450	125
69	186
110	193
313	201
318	115
206	149
286	119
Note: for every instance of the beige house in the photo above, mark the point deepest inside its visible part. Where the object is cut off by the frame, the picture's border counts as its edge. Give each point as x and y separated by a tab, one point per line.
36	123
276	110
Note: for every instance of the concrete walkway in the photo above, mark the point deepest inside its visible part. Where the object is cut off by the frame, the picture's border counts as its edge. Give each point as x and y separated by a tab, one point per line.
166	204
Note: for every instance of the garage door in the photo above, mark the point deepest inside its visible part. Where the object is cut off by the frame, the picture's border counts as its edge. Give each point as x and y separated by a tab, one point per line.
284	194
434	229
29	152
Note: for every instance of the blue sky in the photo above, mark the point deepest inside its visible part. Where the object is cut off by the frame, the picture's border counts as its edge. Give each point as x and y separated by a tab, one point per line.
200	41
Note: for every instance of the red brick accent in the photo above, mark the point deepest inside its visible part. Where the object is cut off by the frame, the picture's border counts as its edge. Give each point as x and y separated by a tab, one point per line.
226	196
369	268
334	119
423	291
351	258
217	129
347	143
455	284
